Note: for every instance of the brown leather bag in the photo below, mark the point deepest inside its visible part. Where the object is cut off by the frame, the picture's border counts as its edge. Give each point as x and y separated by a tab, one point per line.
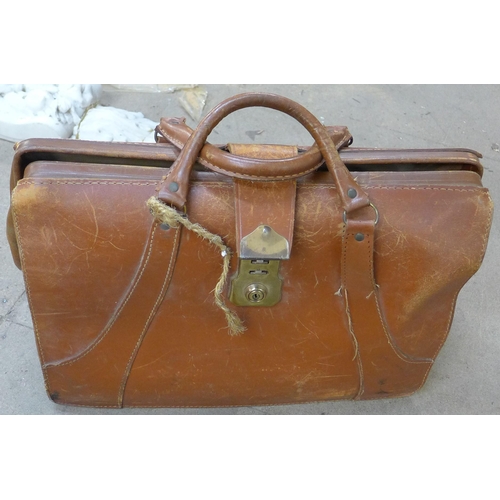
263	275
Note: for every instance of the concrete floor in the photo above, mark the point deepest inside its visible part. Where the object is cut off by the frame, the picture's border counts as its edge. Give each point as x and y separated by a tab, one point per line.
466	376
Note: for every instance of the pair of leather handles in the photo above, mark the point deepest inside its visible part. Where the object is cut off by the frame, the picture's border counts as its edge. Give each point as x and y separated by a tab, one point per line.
175	187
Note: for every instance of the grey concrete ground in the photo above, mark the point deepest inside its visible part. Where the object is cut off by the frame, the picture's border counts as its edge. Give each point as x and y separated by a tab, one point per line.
466	376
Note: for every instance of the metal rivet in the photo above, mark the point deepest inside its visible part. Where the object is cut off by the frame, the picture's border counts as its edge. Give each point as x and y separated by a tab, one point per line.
173	187
352	193
266	230
165	227
359	237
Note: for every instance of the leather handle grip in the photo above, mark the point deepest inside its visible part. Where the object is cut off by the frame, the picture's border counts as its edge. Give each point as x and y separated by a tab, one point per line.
174	188
176	132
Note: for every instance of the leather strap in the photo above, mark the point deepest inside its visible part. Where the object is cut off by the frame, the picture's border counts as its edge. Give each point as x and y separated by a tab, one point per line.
175	187
245	166
269	203
366	322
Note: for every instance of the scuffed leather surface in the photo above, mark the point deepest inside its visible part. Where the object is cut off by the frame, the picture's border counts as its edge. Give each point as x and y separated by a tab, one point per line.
264	203
82	242
150	157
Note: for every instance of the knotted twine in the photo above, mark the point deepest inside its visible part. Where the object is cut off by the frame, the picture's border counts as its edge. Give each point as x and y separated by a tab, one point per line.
168	215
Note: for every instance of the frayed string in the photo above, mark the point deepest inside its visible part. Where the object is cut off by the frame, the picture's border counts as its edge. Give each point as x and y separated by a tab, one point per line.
168	215
351	330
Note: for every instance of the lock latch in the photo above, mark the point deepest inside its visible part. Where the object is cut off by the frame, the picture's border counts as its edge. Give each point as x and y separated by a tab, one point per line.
257	282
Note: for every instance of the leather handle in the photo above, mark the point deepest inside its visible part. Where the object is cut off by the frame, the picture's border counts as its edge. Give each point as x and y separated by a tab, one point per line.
175	187
176	132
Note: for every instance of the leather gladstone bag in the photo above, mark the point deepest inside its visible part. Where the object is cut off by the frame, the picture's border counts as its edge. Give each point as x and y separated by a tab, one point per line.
184	274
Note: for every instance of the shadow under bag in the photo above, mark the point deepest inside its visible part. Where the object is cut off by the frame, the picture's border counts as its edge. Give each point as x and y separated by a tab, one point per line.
185	274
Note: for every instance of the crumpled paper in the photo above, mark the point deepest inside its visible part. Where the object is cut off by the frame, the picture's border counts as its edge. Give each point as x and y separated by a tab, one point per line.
43	110
106	123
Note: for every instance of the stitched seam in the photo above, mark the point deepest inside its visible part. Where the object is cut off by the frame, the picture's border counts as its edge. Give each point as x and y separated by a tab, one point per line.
28	288
238	214
361	375
409	188
431	363
428	188
356	347
301	186
454	301
205	162
107	329
163	181
291	222
259	177
119	183
130	183
445	336
488	225
382	322
166	284
28	292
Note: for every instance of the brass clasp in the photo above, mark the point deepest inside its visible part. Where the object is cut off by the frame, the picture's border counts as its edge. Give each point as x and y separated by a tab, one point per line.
257	282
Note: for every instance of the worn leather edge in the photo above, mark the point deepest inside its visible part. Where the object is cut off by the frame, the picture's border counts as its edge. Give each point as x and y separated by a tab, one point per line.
142	154
107	153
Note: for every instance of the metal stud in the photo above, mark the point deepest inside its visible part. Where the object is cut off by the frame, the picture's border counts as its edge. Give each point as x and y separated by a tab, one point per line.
266	231
352	193
359	237
173	187
165	227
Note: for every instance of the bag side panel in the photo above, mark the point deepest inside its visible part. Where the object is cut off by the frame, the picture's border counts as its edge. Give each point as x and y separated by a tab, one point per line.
300	350
83	242
297	351
430	241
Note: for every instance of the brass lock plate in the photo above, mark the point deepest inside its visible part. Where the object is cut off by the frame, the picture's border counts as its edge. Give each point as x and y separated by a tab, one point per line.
264	243
257	283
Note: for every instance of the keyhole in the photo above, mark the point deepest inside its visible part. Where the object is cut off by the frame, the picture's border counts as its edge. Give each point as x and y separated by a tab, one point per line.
256	293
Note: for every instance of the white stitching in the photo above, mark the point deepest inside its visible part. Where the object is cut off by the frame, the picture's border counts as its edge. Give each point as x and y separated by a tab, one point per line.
454	300
30	301
114	318
382	321
138	344
79	183
208	164
410	188
301	186
361	388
